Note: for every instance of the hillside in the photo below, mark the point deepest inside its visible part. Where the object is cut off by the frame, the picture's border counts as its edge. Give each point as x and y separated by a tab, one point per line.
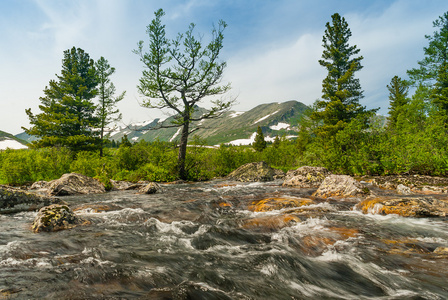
7	140
233	127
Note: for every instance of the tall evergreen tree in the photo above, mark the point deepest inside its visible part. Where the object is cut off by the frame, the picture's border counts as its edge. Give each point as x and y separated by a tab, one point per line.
106	110
398	96
341	91
259	143
436	55
68	112
179	74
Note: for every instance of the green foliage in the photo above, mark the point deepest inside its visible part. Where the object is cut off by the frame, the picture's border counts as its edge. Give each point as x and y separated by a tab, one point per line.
435	55
68	111
341	91
106	110
179	73
259	144
398	97
18	167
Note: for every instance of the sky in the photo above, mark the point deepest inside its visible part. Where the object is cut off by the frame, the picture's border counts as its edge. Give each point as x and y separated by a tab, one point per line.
271	47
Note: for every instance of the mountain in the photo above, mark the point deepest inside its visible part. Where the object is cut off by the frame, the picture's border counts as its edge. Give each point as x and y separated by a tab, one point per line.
233	127
7	140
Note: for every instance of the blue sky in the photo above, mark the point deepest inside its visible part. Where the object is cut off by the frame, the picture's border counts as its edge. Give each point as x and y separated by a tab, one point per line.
272	47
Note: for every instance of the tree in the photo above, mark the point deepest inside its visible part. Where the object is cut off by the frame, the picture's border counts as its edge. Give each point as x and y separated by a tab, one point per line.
259	143
68	112
436	55
341	91
180	73
106	110
398	96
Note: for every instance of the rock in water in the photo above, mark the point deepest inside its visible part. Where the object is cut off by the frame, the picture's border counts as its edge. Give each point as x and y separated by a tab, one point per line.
340	186
403	190
256	171
75	184
54	218
16	200
306	177
151	188
418	207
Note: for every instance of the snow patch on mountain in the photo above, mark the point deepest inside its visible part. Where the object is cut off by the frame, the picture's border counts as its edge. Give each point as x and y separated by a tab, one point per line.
265	117
236	114
176	134
279	126
11	144
250	140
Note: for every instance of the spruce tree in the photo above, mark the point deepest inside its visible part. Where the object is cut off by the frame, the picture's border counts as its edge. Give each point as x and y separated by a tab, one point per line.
68	112
259	143
398	96
436	55
106	110
341	90
431	77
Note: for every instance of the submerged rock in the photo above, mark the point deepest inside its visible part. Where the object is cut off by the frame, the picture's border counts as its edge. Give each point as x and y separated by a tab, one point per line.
419	207
270	204
340	186
54	218
150	188
75	184
306	177
273	222
15	200
256	171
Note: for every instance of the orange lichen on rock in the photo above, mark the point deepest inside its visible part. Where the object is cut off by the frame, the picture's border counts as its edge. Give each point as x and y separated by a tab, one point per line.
405	207
278	203
271	222
345	232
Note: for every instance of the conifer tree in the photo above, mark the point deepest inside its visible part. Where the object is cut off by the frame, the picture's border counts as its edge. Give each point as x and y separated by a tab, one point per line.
259	143
341	90
106	110
431	77
436	55
398	96
68	112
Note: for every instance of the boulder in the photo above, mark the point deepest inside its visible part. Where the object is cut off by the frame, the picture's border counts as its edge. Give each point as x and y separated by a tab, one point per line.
403	190
306	177
125	185
150	188
75	184
419	207
15	200
270	204
54	218
340	186
256	171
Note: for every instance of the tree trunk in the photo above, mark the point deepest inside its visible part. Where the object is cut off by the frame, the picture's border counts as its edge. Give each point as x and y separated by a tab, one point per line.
183	150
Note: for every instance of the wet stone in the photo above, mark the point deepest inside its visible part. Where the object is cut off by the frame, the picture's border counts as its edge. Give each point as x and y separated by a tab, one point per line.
54	218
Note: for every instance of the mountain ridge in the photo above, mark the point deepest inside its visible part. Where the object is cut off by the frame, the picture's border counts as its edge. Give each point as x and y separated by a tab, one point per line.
276	118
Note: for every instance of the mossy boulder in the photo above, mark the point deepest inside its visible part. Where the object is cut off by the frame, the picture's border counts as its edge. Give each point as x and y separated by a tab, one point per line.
341	186
256	171
54	218
75	184
306	177
14	200
418	207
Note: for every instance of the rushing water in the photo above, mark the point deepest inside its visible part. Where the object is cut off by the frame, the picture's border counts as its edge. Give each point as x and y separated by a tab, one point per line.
200	241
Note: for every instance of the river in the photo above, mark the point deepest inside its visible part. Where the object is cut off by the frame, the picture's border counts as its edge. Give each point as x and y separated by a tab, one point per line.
203	241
